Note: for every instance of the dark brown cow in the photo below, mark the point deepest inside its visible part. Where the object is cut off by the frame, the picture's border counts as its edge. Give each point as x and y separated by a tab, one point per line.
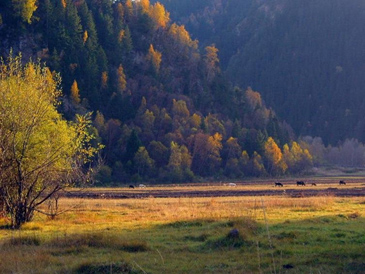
278	184
342	183
300	183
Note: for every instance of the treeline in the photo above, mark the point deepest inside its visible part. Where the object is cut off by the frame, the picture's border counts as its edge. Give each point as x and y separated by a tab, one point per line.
163	108
348	154
177	145
305	57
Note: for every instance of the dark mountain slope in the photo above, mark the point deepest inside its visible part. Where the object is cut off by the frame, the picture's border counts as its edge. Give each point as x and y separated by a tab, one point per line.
307	58
161	106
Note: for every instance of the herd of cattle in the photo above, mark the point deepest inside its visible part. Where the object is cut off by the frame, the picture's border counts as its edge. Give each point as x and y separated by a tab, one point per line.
302	183
299	183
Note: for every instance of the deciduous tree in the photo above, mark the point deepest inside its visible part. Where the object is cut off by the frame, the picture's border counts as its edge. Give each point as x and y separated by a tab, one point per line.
75	93
40	152
274	158
154	57
25	9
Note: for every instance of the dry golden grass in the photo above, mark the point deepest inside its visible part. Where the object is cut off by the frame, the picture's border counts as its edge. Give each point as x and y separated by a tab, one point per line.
139	213
167	234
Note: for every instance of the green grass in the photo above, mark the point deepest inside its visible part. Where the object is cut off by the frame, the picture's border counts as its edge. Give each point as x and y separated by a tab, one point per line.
298	235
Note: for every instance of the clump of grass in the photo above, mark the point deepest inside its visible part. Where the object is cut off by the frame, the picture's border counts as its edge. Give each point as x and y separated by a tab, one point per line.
287	235
354	215
242	231
184	224
245	224
121	267
229	241
24	240
339	235
355	267
68	251
200	238
100	240
134	246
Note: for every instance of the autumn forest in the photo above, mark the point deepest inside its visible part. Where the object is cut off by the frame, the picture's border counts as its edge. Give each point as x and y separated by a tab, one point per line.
161	105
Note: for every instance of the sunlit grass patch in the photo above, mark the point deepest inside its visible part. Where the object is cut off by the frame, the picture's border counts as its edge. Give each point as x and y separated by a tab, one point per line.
192	235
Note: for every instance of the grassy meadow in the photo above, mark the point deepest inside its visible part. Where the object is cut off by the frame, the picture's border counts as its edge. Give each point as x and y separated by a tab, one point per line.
269	234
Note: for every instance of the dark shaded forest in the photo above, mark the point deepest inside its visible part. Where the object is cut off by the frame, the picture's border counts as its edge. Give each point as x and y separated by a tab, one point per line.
161	102
305	57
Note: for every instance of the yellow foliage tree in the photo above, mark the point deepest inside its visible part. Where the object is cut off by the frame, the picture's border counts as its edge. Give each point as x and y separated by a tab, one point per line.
121	35
104	79
211	61
253	98
175	157
215	146
143	162
274	157
145	5
195	121
297	158
25	9
128	8
159	15
257	165
182	35
155	58
234	150
41	153
75	93
121	79
120	10
85	36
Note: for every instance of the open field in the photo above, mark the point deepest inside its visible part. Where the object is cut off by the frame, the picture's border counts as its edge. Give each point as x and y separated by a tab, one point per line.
324	186
275	232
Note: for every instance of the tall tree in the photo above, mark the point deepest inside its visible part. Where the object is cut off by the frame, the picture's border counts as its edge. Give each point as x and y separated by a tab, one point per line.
75	93
25	9
275	162
154	57
211	61
40	153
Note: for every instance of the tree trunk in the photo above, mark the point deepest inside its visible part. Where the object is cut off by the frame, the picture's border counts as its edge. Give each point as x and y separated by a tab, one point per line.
21	215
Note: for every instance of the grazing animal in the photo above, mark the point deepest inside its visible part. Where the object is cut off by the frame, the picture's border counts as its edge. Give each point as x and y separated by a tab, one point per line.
342	183
131	186
288	266
142	185
231	184
314	184
300	183
278	184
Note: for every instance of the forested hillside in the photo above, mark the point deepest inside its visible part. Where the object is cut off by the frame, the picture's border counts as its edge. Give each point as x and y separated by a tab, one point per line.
305	57
161	106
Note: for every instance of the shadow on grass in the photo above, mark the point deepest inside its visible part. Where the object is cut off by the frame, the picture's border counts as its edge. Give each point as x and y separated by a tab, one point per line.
99	240
121	267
